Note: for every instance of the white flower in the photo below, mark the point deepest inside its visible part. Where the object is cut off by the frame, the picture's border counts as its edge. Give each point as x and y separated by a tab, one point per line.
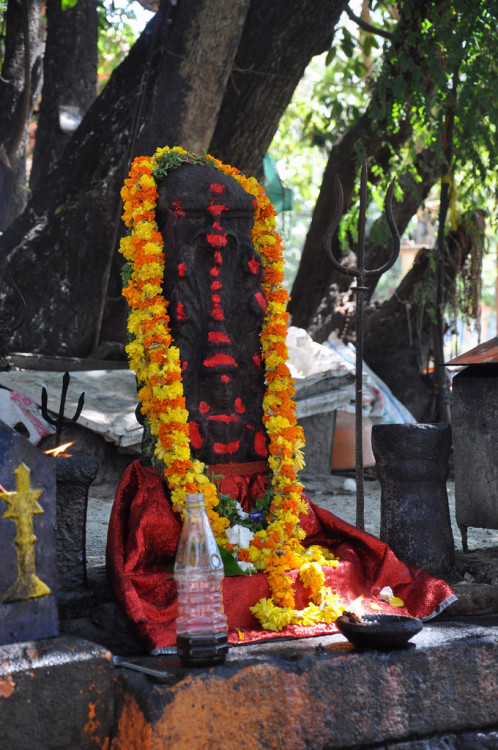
245	566
241	513
240	536
386	594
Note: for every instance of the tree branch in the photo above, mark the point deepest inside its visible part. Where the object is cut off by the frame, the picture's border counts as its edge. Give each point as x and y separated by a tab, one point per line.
367	26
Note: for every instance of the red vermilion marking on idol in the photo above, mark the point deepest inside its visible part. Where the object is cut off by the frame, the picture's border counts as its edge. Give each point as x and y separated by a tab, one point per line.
216	188
217	337
254	266
178	209
218	258
195	435
217	240
257	360
184	365
217	312
260	444
226	448
225	379
215	271
203	407
216	208
226	418
215	286
180	311
220	359
239	406
182	269
261	300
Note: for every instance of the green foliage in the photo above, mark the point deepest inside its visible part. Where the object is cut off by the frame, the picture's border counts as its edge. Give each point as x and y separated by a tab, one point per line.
118	30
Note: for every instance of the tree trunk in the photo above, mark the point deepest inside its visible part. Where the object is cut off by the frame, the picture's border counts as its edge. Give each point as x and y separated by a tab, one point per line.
19	86
336	308
369	137
397	343
60	250
169	90
278	41
69	81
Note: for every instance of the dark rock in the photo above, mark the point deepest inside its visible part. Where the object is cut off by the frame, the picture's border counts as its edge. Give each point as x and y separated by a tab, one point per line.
412	466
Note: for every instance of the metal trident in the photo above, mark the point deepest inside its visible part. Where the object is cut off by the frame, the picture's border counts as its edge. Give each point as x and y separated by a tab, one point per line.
60	421
360	273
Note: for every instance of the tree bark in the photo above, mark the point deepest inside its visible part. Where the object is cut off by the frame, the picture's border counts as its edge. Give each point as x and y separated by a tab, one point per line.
398	344
369	137
278	41
69	80
170	90
19	86
66	240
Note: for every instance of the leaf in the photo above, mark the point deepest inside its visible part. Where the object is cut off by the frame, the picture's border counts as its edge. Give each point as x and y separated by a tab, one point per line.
330	55
230	564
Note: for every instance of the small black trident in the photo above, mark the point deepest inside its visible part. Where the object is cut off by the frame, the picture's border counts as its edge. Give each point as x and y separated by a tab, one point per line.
60	420
360	273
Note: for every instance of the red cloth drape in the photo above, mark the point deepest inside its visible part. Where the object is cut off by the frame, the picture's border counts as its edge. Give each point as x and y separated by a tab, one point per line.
144	532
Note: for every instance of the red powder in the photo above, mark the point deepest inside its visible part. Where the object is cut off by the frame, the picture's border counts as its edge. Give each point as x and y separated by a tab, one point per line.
220	359
195	436
214	271
216	188
184	365
180	311
217	240
182	269
218	258
226	418
257	360
260	299
225	448
217	313
260	444
239	406
217	337
203	407
254	266
225	379
216	208
216	285
178	208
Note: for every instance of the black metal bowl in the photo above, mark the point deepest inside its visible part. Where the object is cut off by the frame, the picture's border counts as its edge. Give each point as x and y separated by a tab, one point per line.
380	631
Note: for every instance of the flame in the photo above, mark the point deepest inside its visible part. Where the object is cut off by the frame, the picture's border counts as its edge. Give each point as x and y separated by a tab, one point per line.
59	450
356	606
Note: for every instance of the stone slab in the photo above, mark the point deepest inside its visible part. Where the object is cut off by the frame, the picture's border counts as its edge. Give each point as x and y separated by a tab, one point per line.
317	693
55	694
28	570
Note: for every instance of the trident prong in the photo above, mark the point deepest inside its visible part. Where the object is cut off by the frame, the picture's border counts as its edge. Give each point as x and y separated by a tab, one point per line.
60	421
360	273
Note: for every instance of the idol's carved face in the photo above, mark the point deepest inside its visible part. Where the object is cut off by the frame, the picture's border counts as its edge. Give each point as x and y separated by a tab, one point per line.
216	304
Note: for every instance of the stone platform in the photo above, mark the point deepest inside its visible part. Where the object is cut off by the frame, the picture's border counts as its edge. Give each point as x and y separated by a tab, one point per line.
439	693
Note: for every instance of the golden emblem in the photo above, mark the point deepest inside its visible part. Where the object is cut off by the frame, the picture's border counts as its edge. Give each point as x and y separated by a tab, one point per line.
23	505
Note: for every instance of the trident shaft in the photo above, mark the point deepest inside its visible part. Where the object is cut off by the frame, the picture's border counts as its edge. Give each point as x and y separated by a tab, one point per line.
360	273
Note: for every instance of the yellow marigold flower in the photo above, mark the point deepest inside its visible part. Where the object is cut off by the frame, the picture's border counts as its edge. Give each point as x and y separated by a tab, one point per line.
270	616
312	576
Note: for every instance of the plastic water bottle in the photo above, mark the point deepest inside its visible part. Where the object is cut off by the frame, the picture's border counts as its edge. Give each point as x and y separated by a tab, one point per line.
201	625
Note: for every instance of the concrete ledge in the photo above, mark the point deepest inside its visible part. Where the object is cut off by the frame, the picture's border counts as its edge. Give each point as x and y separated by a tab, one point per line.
55	694
317	693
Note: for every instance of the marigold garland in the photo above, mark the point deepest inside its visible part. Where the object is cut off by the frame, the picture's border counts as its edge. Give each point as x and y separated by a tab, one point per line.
156	362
